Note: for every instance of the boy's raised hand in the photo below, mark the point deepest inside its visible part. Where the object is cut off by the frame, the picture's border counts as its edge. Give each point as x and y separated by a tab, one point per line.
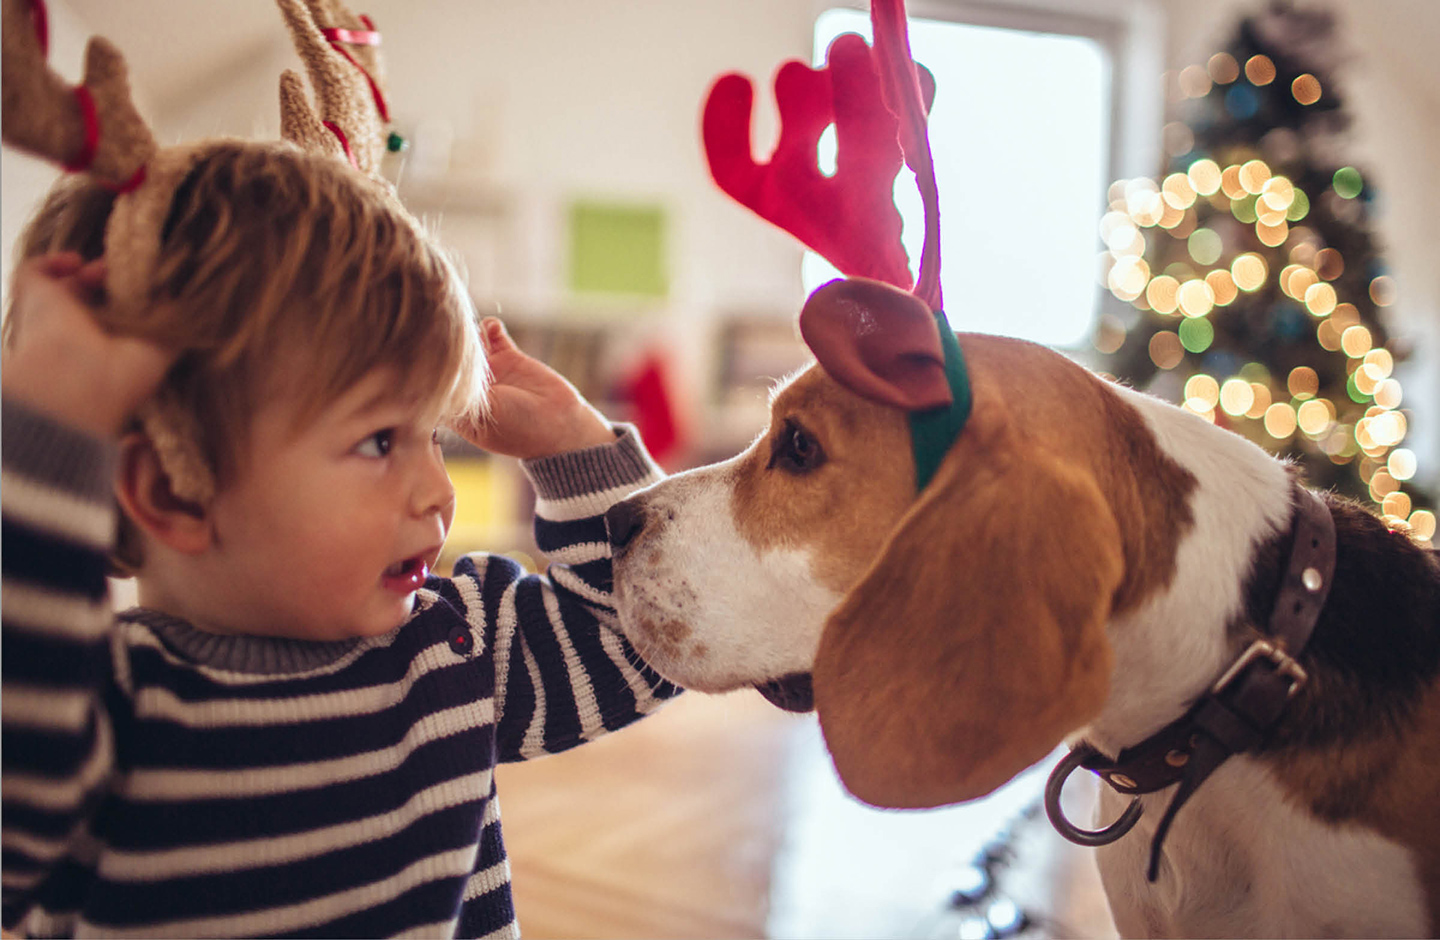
534	411
59	360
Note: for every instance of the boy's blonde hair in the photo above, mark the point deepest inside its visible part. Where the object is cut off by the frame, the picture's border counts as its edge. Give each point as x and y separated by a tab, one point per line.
269	253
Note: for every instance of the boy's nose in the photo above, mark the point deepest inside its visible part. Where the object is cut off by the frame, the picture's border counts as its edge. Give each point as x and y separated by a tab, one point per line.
433	492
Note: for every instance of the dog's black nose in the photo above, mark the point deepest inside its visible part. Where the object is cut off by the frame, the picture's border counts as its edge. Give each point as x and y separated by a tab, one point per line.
623	521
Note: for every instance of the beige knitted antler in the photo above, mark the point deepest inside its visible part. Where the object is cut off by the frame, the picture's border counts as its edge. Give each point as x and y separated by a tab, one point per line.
95	128
345	75
45	115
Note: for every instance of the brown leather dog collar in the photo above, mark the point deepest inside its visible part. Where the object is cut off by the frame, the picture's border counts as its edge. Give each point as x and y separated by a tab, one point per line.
1238	711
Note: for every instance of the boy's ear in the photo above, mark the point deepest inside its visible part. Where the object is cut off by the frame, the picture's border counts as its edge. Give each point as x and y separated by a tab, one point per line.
145	495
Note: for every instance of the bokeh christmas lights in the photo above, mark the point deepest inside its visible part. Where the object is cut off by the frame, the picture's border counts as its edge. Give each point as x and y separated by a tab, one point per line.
1253	291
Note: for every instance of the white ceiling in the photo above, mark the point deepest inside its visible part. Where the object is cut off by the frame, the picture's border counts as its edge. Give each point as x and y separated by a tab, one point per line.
180	48
176	49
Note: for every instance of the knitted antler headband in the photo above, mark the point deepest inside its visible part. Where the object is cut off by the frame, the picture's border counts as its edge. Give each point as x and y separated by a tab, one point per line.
881	342
94	128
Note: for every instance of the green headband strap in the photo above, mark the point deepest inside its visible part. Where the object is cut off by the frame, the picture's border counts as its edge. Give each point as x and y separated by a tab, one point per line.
933	431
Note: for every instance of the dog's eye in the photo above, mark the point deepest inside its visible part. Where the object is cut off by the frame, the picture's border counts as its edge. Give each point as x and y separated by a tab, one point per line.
796	450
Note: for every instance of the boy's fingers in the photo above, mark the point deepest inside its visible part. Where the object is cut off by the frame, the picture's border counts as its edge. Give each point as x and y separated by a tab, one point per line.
497	338
30	274
54	270
471	428
92	274
91	281
32	281
59	264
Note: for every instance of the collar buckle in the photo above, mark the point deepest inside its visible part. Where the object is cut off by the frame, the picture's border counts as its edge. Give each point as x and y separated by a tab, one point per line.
1241	708
1282	663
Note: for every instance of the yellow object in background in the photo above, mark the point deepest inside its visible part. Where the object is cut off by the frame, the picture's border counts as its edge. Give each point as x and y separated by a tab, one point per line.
487	511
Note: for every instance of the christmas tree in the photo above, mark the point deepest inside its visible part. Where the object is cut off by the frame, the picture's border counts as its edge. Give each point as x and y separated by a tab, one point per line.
1251	282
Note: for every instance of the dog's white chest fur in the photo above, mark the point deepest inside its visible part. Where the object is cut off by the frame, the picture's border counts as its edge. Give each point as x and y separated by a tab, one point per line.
1173	647
1241	861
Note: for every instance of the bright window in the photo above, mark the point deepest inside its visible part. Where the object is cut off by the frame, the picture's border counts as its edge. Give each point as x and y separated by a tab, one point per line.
1020	131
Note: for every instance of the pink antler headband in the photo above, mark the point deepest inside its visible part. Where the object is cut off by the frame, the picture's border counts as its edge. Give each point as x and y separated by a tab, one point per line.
871	333
790	190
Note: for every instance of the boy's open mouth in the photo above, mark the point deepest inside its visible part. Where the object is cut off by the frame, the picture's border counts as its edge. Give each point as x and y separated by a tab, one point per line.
406	576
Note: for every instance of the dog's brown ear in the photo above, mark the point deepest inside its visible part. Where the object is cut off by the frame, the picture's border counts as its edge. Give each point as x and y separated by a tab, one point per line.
976	641
878	341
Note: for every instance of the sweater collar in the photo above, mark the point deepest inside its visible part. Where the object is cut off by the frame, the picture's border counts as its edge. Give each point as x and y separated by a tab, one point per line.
257	655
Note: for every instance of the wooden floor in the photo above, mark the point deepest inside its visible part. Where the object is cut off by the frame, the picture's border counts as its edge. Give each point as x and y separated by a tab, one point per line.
720	817
666	829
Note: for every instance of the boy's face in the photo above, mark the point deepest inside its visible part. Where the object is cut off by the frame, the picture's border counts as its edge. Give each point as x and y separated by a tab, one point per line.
329	528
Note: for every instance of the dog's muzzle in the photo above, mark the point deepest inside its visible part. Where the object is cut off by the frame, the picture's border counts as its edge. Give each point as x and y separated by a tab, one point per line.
623	521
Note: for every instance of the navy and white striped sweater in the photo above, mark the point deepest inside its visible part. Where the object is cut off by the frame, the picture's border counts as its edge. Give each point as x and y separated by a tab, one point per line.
159	780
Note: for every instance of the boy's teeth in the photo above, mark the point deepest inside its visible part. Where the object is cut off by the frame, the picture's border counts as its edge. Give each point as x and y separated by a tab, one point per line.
395	570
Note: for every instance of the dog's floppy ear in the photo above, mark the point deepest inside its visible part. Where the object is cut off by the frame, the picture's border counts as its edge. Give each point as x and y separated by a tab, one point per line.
976	640
880	342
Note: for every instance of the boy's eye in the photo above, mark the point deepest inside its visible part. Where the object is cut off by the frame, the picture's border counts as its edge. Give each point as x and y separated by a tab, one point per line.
377	444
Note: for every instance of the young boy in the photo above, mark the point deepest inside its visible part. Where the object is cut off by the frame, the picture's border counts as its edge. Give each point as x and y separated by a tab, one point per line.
295	733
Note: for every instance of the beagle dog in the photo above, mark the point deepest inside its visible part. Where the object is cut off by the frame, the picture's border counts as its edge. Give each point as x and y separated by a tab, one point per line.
1085	566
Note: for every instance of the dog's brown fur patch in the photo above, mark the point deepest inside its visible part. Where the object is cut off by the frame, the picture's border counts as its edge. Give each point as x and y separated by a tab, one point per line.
1081	418
1151	493
1054	510
976	640
1407	804
1386	782
845	508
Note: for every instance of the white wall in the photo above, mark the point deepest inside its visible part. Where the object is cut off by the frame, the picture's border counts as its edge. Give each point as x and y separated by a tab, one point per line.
549	99
554	98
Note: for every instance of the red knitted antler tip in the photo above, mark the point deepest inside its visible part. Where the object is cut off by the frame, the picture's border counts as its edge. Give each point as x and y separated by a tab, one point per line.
849	218
903	83
878	101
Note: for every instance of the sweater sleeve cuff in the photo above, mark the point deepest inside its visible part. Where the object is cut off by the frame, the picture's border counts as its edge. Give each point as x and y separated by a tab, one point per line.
38	448
624	463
